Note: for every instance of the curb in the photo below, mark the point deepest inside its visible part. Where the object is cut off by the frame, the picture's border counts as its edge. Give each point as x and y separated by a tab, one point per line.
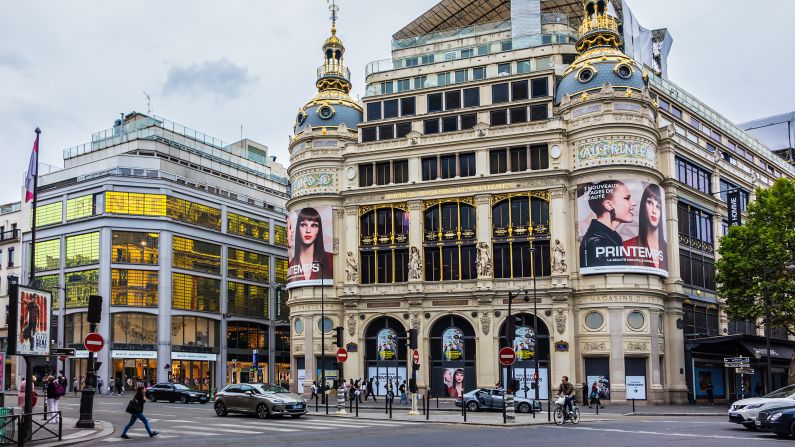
423	421
106	430
675	414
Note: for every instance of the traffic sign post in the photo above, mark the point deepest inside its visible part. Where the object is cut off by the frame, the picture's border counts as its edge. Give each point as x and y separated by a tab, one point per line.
507	356
94	342
342	355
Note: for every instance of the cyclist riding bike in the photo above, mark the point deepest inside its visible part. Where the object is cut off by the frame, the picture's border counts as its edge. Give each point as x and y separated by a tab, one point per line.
567	390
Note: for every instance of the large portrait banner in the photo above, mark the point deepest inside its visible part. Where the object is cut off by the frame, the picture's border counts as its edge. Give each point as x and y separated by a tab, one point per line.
453	344
33	311
622	228
310	247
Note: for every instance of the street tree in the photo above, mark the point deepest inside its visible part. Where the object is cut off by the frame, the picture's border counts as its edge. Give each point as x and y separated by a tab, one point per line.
752	270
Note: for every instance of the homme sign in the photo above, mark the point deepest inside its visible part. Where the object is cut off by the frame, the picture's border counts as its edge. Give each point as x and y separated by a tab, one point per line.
735	211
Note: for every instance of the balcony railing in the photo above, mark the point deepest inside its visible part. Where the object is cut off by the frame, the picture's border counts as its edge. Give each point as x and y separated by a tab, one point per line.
9	235
333	70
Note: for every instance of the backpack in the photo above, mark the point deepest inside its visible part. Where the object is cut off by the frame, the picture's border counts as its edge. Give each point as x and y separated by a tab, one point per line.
59	391
134	407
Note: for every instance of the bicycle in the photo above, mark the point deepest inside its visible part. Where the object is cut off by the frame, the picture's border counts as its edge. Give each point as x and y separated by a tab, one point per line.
560	415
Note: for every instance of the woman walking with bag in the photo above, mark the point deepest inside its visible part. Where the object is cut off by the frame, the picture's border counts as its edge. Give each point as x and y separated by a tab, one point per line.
136	409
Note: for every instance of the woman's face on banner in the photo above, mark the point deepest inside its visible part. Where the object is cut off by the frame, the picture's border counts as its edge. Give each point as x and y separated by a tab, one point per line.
623	204
308	230
448	376
653	210
459	376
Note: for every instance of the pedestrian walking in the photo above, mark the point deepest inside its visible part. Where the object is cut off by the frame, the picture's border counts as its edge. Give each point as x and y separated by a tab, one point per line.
54	392
594	396
357	391
370	392
136	409
404	400
314	390
710	394
21	395
100	383
75	385
112	386
390	392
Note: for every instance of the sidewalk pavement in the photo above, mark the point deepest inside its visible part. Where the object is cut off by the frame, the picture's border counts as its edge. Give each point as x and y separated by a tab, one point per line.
69	434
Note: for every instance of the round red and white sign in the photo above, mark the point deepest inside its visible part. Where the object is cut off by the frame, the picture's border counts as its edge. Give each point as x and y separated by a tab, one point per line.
93	342
342	355
507	356
415	355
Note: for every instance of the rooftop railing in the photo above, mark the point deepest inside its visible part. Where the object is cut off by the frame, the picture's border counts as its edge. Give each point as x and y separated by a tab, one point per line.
333	70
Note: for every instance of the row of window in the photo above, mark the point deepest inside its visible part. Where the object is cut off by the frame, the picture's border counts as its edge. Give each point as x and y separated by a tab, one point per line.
516	115
141	204
391	108
384	173
448	166
693	175
10	260
517	159
696	253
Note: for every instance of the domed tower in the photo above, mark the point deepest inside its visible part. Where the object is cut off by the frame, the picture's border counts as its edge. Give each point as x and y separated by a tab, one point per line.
624	226
323	129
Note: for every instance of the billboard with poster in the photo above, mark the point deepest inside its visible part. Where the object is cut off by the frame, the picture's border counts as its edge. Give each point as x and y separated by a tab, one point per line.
33	311
453	379
602	386
387	344
524	343
636	387
622	228
453	344
310	247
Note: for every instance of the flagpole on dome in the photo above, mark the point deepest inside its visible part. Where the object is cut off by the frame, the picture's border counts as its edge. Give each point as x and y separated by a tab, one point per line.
31	183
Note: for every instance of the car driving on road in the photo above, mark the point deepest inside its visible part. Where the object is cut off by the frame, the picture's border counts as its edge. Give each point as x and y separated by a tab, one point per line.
746	411
262	399
492	399
174	392
779	420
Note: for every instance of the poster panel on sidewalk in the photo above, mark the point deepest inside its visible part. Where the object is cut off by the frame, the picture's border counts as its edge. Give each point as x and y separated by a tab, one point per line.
310	247
387	344
523	343
602	385
301	378
636	387
33	321
622	228
385	374
525	378
453	379
453	344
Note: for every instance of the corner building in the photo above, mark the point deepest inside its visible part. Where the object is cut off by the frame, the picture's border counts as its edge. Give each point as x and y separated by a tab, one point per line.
518	148
184	237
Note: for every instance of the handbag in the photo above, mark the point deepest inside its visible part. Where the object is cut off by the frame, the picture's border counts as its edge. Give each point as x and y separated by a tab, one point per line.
133	407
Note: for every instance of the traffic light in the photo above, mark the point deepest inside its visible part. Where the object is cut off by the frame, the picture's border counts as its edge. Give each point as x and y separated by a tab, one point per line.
413	338
338	339
94	309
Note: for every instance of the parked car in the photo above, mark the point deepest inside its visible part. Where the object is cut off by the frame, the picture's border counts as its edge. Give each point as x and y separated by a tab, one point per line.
746	411
779	420
262	399
492	399
173	392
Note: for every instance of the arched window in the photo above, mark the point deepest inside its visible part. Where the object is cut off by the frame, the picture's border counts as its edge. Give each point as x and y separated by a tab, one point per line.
528	348
519	222
385	354
449	241
452	356
383	247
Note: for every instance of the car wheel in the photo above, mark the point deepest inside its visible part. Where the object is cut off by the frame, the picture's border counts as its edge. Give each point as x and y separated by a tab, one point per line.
183	399
792	429
523	407
472	406
262	411
220	409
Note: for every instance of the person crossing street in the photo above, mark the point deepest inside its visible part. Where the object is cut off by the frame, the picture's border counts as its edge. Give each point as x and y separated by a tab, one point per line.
136	409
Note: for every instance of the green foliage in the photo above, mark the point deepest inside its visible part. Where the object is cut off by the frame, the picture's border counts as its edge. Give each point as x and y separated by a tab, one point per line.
754	258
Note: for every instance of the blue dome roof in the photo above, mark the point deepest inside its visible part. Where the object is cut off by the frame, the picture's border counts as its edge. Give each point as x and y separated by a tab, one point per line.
341	114
571	84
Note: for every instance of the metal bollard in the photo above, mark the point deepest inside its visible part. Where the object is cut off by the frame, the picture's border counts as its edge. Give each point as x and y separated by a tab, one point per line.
597	409
464	408
357	408
510	416
503	412
386	404
390	408
549	410
437	401
428	409
316	403
350	404
633	405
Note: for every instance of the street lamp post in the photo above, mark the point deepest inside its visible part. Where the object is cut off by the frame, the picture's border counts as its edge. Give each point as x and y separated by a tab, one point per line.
535	322
769	372
323	339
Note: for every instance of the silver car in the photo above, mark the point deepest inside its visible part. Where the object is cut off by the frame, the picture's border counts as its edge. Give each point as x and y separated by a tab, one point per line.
492	399
264	400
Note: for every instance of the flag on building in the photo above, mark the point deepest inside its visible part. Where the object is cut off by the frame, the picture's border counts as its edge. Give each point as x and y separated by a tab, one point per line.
33	166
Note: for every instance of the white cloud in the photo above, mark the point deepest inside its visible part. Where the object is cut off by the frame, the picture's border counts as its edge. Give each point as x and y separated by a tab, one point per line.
221	78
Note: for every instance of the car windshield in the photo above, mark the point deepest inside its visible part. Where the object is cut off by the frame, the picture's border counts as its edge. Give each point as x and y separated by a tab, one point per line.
267	388
180	387
787	391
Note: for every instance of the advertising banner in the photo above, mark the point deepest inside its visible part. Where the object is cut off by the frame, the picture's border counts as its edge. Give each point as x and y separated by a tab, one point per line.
453	379
602	386
733	202
622	228
383	375
310	247
33	321
301	378
636	387
387	344
453	344
523	343
525	378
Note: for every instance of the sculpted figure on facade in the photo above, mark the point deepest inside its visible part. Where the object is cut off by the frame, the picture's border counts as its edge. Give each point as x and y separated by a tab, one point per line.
415	321
560	321
558	258
415	264
351	269
351	324
483	261
485	322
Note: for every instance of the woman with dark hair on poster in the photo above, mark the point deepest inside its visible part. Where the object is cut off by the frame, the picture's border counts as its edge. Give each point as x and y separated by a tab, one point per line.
457	388
612	203
651	232
310	260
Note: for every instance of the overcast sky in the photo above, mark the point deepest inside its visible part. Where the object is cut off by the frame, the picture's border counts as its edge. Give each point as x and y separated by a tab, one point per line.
70	67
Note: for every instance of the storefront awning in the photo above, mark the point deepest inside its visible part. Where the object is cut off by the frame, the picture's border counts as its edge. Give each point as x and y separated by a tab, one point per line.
777	350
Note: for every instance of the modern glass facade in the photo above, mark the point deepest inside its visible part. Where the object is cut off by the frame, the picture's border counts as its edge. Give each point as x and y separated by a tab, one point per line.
133	328
80	207
248	265
194	332
79	286
280	235
49	214
131	247
76	327
136	204
48	255
194	213
199	256
248	227
50	283
134	288
190	292
82	249
247	299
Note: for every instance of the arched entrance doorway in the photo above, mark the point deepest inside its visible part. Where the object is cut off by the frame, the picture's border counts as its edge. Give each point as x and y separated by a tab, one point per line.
524	344
385	354
452	356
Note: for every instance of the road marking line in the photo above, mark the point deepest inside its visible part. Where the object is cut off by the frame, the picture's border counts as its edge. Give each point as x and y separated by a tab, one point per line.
78	434
685	435
229	430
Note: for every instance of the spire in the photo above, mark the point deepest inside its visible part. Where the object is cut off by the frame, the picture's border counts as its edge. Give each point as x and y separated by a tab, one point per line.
598	28
333	75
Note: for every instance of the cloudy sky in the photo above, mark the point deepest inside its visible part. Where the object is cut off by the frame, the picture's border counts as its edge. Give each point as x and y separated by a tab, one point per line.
70	67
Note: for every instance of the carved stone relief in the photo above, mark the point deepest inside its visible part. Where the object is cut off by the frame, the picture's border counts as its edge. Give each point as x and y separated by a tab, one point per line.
415	321
351	325
485	322
351	269
483	261
637	346
298	347
558	258
415	264
560	321
597	346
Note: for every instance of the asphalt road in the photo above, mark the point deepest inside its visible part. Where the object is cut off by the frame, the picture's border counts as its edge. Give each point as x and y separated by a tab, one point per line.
196	425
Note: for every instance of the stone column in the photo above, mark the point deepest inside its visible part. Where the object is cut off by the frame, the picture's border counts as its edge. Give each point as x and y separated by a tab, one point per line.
671	233
104	356
655	382
415	240
351	240
618	391
309	352
674	352
164	306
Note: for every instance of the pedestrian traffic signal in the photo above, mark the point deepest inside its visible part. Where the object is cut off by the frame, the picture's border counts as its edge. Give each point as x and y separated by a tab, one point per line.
413	338
94	309
338	341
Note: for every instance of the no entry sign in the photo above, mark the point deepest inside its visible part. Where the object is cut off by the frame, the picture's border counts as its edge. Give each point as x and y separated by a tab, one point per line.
93	342
507	356
342	355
